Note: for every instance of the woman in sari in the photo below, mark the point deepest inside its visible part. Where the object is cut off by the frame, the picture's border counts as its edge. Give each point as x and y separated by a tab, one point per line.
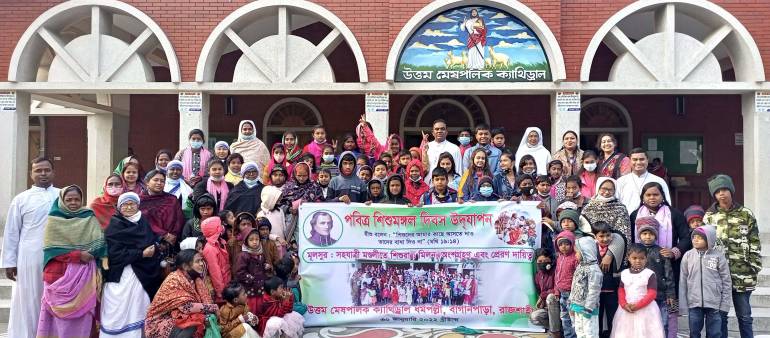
569	154
104	206
133	276
195	157
612	163
605	206
182	303
161	208
249	146
72	247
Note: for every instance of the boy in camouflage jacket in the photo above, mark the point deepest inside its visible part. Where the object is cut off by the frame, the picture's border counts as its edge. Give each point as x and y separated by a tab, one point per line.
739	236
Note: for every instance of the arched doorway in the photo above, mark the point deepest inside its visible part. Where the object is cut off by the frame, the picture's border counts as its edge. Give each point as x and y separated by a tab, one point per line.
603	115
460	112
290	114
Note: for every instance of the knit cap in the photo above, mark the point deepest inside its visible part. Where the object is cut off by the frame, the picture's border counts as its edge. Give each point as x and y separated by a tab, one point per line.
128	196
694	211
721	181
249	166
175	164
647	223
570	214
222	144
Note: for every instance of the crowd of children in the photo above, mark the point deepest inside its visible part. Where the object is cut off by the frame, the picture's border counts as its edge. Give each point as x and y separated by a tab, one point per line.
237	208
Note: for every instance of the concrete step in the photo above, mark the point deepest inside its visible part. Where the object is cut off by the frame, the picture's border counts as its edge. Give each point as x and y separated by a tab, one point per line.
5	310
761	322
763	279
760	298
6	286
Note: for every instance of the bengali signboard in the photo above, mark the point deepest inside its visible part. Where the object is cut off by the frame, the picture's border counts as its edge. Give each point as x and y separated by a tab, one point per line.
436	266
476	44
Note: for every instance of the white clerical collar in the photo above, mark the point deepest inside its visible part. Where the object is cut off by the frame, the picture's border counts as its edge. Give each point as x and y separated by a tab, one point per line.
36	188
643	174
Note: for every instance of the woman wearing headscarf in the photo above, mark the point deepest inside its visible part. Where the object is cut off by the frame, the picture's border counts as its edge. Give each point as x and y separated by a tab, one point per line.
72	247
175	185
134	273
104	206
195	157
183	301
532	144
161	209
300	188
277	158
221	152
569	154
612	163
290	143
249	146
606	206
162	158
245	196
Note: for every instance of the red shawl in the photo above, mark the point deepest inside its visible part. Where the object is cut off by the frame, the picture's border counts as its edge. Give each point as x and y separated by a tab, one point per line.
163	212
104	206
166	312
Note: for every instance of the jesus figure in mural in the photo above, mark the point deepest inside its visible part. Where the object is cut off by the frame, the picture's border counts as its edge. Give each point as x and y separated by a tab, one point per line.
477	39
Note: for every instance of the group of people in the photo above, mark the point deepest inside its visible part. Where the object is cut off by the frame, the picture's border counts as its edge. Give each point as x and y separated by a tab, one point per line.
210	236
378	285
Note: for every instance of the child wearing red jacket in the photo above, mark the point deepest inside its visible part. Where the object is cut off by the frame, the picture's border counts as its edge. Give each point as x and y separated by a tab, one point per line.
216	256
415	184
566	263
276	317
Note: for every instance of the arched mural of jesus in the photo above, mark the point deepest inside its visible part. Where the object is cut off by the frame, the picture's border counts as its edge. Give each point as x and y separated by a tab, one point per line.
477	39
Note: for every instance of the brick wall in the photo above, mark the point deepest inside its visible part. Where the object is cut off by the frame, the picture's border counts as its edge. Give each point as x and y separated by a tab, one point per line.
374	23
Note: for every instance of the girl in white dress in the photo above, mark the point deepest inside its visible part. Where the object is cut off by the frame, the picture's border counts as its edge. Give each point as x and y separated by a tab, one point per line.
638	288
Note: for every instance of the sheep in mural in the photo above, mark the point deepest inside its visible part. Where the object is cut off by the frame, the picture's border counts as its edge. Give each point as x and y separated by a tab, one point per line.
452	60
499	59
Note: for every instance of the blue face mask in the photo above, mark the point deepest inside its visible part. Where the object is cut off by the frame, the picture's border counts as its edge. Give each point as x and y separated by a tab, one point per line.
464	140
196	144
250	183
328	158
248	137
485	191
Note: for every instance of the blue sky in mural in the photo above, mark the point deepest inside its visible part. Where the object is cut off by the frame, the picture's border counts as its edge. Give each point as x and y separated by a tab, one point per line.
430	44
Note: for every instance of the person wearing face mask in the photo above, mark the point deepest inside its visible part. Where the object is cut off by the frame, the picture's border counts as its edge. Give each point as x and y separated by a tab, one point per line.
195	157
605	206
486	192
183	301
246	196
134	273
415	186
588	173
104	206
532	144
251	148
278	158
547	312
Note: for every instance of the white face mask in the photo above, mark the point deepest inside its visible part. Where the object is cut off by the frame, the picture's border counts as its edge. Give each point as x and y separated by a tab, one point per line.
114	191
590	166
